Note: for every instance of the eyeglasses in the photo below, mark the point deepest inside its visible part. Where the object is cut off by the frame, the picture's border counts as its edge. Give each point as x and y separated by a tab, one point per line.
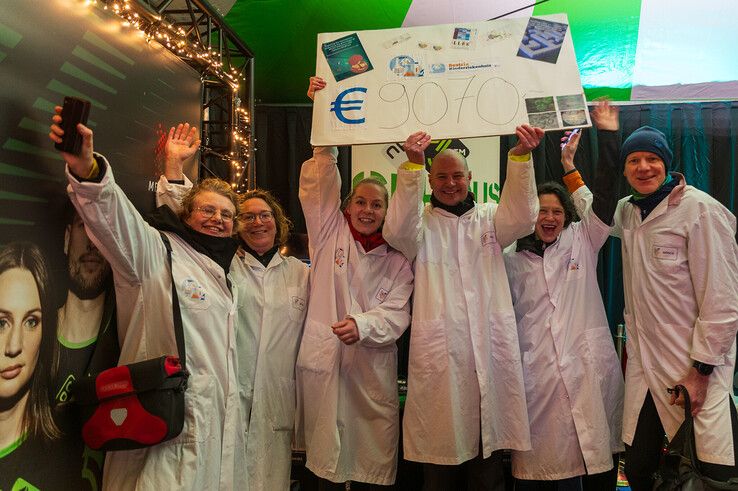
264	216
209	212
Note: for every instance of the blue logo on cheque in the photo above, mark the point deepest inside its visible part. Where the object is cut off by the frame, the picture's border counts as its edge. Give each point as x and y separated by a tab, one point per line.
339	106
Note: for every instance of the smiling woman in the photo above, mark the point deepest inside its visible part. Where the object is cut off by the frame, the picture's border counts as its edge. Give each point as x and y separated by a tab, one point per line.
347	365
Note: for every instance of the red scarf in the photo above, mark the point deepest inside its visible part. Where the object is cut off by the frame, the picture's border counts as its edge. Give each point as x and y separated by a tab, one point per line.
368	242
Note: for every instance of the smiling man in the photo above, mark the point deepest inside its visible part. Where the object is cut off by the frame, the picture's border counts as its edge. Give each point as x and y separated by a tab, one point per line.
680	278
466	399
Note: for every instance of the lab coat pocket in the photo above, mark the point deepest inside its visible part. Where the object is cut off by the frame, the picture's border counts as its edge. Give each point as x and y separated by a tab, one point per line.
575	262
297	304
318	348
672	342
428	347
667	253
280	405
602	351
198	415
489	244
375	371
192	294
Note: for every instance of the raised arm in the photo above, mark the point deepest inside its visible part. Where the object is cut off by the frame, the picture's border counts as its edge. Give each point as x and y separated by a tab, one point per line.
130	245
403	228
518	209
182	144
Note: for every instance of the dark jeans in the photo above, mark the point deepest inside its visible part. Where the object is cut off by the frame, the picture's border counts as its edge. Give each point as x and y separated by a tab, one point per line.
642	458
478	473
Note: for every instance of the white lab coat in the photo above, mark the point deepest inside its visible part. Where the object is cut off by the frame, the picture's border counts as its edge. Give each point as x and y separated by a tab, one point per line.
465	372
573	381
209	452
348	408
272	303
680	279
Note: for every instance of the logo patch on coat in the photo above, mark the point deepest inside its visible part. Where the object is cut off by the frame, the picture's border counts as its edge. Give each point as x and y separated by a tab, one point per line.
298	303
488	238
382	294
340	258
193	290
573	264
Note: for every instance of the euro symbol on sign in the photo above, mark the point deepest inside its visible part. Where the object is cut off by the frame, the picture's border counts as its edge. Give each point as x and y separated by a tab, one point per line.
339	106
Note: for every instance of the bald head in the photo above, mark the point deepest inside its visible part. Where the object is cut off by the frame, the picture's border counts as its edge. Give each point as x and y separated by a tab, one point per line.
451	155
449	177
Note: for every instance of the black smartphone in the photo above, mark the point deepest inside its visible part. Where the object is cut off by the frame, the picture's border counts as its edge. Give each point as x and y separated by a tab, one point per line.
74	111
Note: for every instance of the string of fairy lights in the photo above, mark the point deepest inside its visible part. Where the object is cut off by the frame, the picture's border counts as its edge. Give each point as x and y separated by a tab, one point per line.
154	28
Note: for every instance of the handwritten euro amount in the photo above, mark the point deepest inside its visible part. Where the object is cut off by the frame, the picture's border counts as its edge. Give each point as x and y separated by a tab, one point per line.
491	100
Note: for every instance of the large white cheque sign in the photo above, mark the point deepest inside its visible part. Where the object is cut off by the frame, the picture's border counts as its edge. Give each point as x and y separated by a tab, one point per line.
455	80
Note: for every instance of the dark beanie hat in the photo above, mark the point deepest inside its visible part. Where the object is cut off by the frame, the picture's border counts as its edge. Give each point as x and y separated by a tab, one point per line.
647	139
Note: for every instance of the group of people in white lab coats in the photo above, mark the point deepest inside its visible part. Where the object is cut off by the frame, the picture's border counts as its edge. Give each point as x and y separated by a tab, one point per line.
509	347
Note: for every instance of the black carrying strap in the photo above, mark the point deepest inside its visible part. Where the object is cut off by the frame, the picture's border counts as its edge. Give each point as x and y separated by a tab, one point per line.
690	446
176	313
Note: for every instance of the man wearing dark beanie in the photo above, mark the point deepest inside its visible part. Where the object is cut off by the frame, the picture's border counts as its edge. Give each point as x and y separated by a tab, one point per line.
680	278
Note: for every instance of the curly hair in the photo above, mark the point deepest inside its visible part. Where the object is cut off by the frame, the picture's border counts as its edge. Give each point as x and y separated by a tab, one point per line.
38	419
281	221
212	184
570	211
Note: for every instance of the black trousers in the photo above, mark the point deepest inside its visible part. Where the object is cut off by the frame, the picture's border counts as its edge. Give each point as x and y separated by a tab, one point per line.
591	482
478	473
642	458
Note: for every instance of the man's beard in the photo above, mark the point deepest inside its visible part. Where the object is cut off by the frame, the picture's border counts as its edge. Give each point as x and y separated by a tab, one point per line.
86	286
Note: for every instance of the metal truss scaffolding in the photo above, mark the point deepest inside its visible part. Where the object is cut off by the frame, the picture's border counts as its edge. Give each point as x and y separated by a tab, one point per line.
194	31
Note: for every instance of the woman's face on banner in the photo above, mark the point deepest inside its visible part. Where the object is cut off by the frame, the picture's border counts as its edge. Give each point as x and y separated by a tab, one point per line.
20	330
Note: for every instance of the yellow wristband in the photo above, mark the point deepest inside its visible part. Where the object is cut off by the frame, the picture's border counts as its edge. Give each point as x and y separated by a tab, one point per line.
411	166
519	158
94	171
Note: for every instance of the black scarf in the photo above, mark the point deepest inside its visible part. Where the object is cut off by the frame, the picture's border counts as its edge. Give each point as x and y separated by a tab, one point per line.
219	249
264	258
648	203
532	243
459	208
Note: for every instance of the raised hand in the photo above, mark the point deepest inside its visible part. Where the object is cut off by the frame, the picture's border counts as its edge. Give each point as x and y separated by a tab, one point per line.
606	116
316	83
346	330
569	148
415	146
81	165
182	144
529	137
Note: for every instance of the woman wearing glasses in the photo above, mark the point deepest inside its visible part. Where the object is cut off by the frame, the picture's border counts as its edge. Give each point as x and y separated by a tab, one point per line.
272	302
209	453
348	412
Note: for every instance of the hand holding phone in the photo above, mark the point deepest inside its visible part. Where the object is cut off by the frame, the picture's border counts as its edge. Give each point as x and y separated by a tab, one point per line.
74	111
571	135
